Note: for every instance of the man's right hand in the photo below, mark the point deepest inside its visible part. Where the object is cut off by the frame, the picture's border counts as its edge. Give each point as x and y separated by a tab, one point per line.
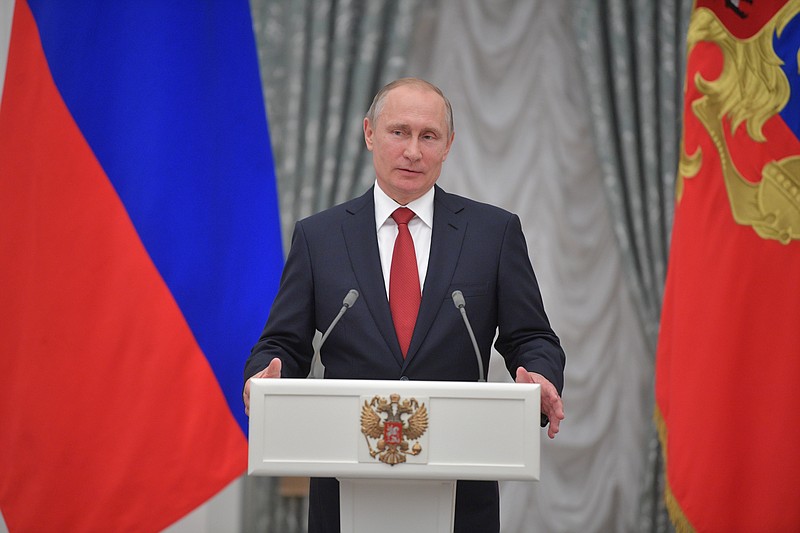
272	371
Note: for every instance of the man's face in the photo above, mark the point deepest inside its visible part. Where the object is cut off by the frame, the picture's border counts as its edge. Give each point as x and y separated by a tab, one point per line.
409	142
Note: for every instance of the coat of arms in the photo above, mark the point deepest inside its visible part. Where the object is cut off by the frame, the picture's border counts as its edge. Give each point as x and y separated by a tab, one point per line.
391	424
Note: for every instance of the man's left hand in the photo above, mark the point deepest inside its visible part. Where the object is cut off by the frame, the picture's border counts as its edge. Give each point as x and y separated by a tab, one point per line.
551	401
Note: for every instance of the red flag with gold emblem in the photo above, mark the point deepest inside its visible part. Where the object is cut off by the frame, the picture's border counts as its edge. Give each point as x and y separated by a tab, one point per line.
728	362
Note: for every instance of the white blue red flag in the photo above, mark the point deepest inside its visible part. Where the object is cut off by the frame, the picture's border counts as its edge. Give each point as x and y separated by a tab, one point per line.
140	248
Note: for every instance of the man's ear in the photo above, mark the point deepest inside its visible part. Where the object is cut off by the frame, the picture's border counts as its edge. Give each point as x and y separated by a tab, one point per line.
368	133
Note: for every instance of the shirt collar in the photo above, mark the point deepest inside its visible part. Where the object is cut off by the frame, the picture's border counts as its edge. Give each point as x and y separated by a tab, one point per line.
385	206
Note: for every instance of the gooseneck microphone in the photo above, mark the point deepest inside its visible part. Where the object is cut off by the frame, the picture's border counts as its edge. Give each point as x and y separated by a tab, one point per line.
461	305
347	303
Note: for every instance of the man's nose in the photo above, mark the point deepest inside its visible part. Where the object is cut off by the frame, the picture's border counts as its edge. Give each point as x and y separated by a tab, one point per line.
412	150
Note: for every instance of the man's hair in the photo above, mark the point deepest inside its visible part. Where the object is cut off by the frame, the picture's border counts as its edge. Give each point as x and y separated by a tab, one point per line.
380	99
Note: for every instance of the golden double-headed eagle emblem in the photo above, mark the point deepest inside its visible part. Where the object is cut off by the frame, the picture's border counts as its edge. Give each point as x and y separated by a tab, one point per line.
391	425
750	90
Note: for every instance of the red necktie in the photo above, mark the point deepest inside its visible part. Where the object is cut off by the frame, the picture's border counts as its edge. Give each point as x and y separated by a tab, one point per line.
404	291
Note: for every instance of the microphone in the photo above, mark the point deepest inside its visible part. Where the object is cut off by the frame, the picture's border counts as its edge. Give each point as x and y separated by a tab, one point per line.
461	304
347	303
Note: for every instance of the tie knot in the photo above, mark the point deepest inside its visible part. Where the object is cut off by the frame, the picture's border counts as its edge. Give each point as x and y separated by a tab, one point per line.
402	215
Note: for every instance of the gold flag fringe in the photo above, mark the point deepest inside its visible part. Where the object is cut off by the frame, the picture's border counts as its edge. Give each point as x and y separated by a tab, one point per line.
676	516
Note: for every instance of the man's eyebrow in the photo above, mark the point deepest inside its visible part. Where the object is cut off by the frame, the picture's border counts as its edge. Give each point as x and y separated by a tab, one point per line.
397	126
404	126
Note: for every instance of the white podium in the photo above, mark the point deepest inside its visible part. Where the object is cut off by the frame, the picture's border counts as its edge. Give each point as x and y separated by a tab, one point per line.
396	447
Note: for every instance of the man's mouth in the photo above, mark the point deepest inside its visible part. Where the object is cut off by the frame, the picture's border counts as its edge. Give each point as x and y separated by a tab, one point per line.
410	171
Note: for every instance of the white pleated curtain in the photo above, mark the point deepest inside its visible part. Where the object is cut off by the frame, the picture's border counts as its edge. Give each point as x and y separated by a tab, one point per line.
529	100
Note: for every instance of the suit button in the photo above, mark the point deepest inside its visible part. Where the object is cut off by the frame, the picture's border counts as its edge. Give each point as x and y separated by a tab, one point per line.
403	378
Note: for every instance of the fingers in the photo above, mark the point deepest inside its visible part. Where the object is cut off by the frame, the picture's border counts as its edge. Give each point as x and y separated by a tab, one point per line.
552	429
555	411
246	397
553	407
523	376
272	371
551	403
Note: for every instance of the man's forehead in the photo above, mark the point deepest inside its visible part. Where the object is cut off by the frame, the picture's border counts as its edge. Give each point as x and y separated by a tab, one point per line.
415	95
413	107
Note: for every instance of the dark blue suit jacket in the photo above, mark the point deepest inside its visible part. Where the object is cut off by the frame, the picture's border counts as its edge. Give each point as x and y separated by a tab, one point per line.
475	248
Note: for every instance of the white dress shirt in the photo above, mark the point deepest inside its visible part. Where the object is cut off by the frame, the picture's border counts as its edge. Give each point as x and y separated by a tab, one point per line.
420	227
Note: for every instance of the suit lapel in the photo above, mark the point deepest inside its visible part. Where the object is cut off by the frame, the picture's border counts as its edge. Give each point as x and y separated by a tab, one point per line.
361	240
448	235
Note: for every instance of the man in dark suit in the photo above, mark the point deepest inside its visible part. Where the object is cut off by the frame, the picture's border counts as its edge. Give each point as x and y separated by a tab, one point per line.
399	331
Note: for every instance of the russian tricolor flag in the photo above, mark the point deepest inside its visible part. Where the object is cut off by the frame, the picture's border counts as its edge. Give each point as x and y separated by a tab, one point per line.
140	252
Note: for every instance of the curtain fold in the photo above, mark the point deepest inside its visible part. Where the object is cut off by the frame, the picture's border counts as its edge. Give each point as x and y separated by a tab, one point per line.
633	58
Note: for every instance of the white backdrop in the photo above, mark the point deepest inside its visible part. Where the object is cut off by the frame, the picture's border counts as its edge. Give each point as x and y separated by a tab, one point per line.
523	141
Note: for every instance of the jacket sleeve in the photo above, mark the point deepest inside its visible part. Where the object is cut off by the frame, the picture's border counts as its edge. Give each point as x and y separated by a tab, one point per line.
290	326
525	337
